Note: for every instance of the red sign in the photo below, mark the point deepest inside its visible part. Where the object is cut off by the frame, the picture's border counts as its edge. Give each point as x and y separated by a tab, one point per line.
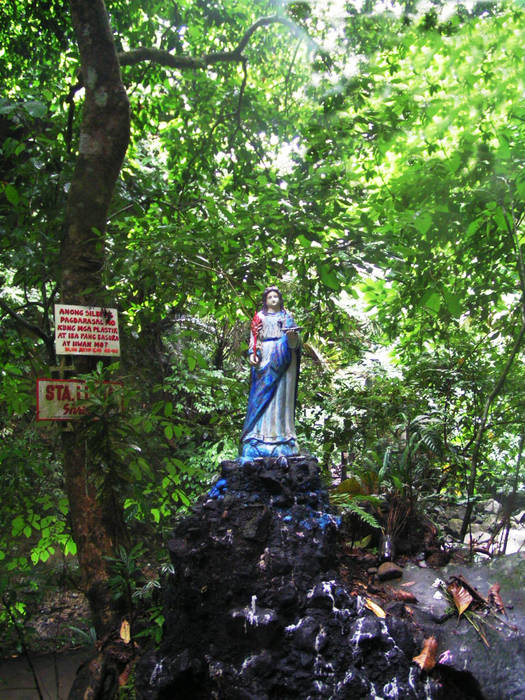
65	399
86	330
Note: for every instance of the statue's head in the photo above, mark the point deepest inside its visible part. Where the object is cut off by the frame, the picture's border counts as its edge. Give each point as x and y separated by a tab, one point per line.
272	290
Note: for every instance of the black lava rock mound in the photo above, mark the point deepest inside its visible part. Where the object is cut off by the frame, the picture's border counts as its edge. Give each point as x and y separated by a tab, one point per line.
254	610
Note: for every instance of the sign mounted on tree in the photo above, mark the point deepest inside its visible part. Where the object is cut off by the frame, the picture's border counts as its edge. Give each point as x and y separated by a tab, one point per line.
66	399
86	330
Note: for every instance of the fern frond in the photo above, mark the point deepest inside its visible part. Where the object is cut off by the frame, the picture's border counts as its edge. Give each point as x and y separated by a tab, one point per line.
349	505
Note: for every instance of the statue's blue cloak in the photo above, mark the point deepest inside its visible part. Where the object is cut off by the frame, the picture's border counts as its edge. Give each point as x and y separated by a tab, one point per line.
264	383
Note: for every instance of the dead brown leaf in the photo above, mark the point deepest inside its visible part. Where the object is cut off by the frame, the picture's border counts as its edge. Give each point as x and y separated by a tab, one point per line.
476	595
124	676
398	594
375	608
125	632
495	599
460	595
406	596
427	659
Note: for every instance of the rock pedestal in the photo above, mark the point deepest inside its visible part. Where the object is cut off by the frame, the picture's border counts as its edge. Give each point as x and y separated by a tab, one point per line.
254	609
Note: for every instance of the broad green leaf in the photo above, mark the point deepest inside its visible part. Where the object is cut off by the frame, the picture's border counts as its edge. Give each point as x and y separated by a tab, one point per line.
35	109
431	300
11	194
304	241
423	222
473	227
201	361
453	303
70	547
499	218
17	525
155	512
328	277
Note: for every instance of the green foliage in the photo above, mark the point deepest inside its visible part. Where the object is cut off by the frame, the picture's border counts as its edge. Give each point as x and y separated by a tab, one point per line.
125	568
12	615
349	503
85	638
138	596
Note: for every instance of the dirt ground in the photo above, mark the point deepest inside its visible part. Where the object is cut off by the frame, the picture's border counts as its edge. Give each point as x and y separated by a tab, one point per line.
58	621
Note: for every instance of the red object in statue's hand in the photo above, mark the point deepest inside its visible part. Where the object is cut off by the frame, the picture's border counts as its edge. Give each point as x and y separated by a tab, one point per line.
255	328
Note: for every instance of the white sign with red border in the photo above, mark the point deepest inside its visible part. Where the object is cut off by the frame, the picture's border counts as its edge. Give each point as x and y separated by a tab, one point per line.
65	399
86	330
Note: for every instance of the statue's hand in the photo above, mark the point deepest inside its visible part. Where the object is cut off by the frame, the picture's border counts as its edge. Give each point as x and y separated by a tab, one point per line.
254	359
293	338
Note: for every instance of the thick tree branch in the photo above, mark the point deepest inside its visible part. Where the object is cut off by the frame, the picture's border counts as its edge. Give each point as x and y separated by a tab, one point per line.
481	428
239	104
21	321
266	21
103	141
164	58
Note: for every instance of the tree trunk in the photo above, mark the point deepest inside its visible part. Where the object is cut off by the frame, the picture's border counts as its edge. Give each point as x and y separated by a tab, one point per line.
481	430
103	142
510	503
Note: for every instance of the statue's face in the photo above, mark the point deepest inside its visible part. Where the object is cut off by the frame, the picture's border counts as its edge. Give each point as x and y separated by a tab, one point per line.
273	303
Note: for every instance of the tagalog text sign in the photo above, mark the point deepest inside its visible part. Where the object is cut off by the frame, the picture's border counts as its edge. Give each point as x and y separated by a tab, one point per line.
67	399
86	330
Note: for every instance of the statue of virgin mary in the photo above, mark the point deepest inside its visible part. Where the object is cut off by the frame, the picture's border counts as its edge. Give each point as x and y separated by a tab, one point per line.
274	354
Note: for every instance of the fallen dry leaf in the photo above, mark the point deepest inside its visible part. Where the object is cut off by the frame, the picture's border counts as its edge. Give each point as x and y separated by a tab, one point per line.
462	598
124	676
476	595
428	657
375	608
125	632
495	599
404	596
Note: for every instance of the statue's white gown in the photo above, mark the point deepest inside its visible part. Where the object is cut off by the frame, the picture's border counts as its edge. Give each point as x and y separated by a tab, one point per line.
272	433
